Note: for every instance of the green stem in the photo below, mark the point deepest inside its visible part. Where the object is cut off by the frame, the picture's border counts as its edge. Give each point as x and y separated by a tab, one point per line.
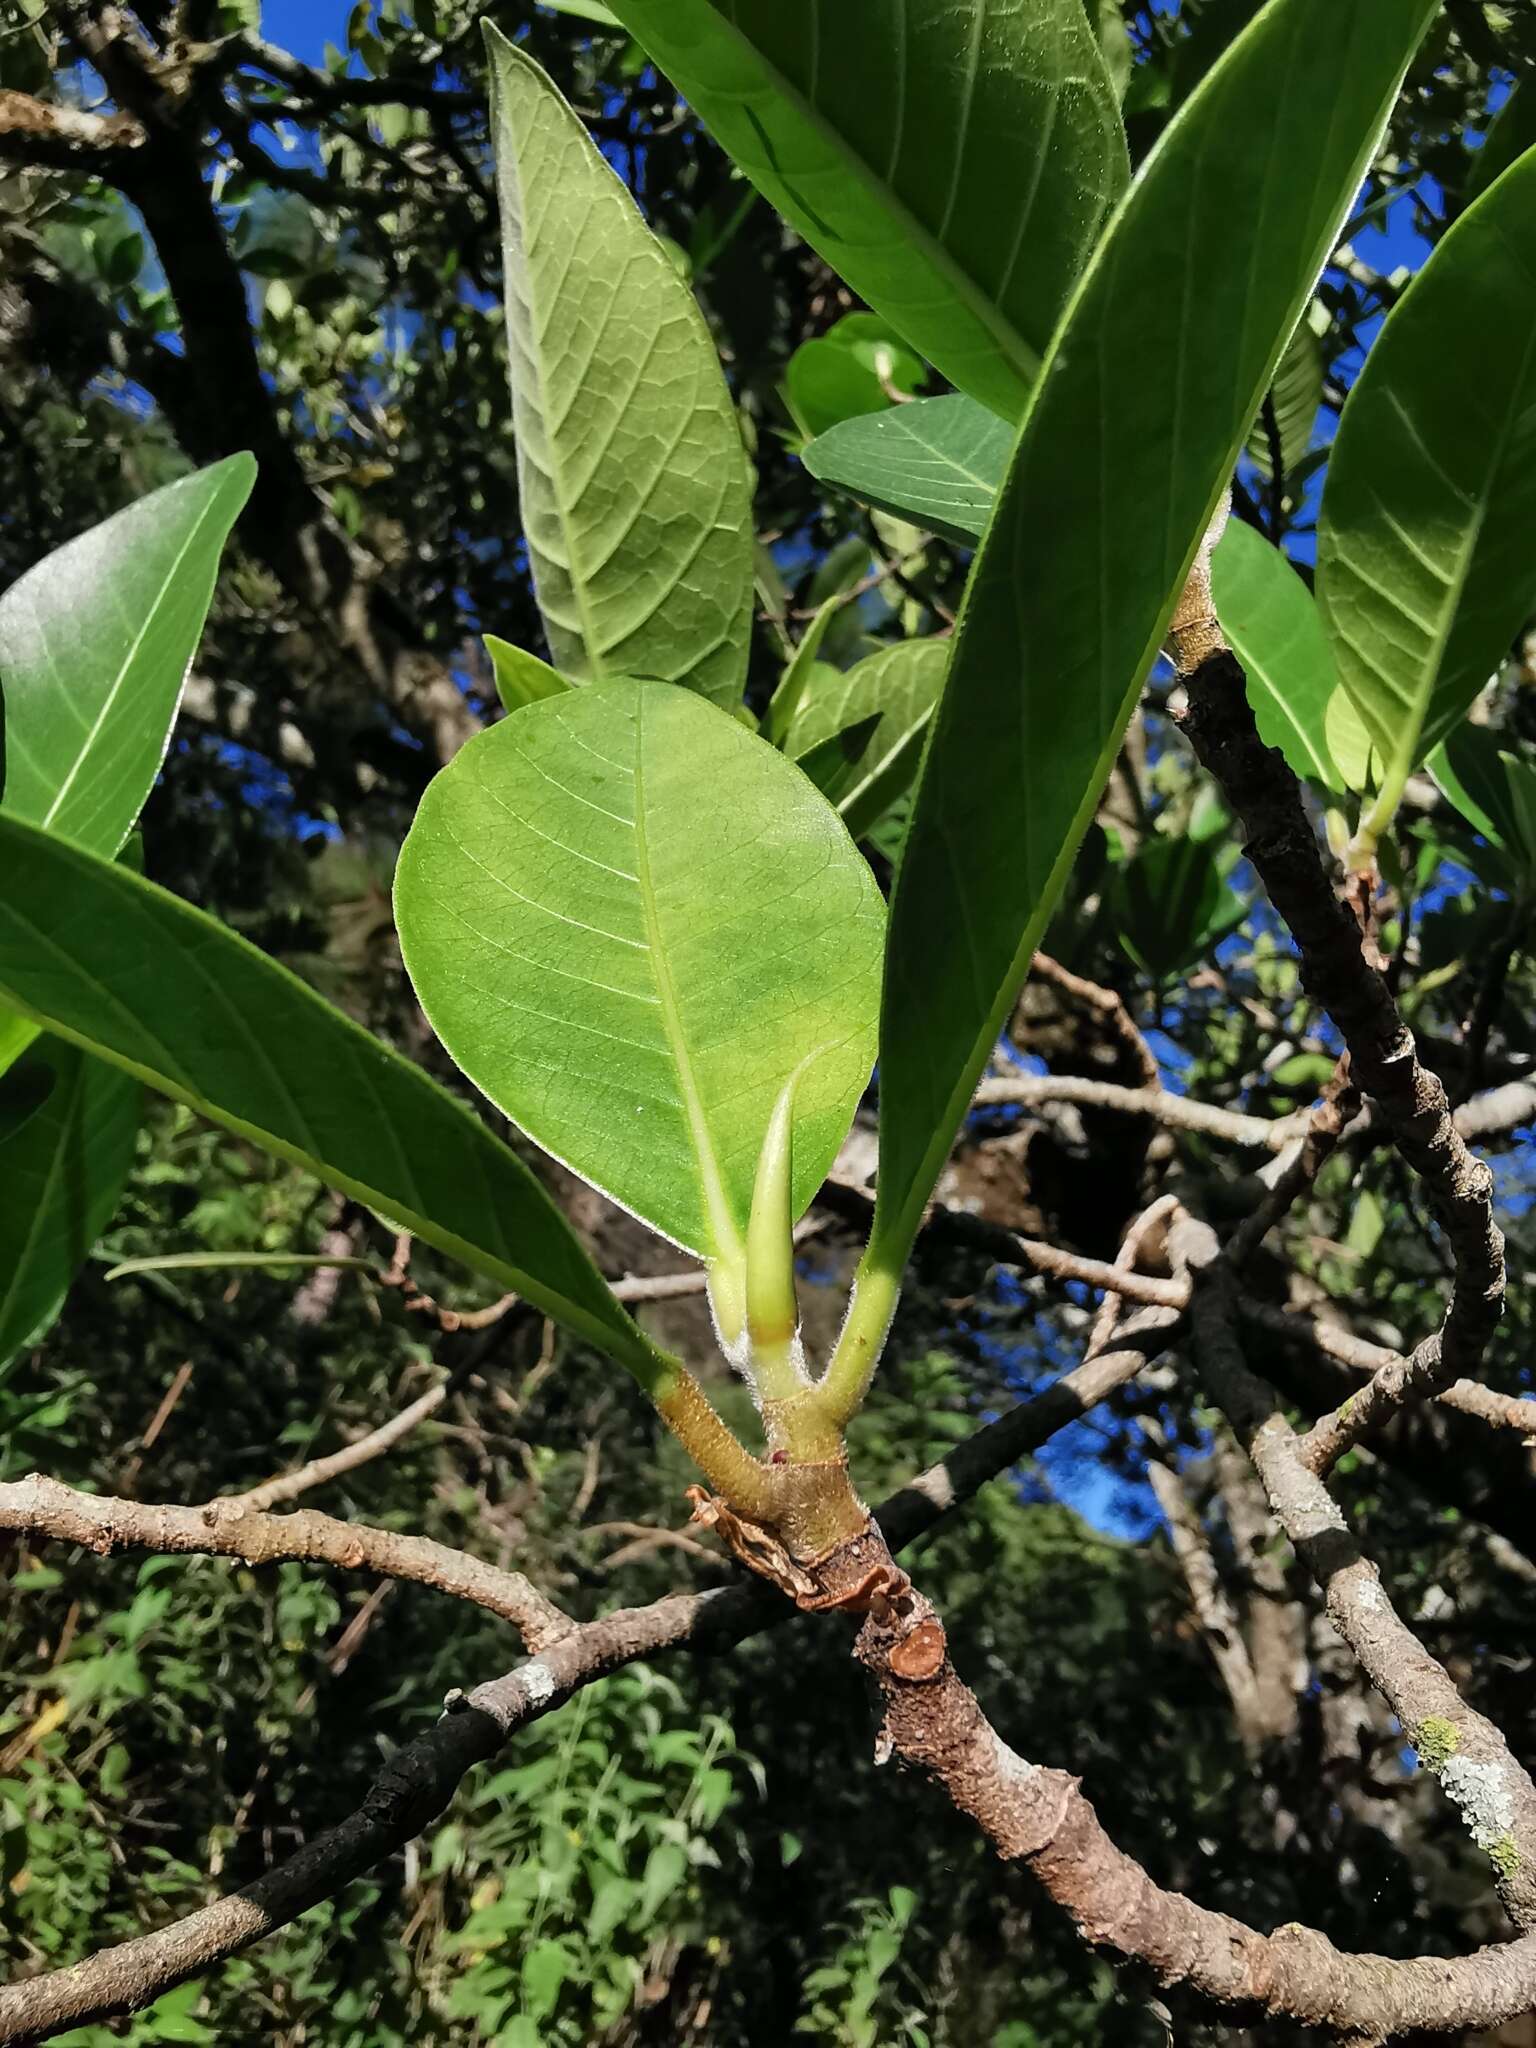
842	1387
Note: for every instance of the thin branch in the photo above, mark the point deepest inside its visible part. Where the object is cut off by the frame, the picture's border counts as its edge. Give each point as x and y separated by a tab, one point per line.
42	135
1179	1112
42	1507
1281	843
1109	1005
285	1486
1468	1753
420	1778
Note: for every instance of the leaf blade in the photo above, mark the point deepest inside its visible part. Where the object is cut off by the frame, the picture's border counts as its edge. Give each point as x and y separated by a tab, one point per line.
1428	522
631	470
1269	616
611	989
129	972
936	461
1118	469
95	646
814	99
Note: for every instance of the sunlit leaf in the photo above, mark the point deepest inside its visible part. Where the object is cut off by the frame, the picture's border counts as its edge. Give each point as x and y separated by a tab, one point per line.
632	476
95	644
521	678
953	160
140	978
630	921
1270	617
1426	564
1149	393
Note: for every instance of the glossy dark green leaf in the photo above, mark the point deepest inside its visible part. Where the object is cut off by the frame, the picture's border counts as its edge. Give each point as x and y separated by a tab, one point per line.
1426	561
62	1170
1149	393
146	982
1494	787
95	644
1270	617
953	160
631	921
631	472
1512	134
937	462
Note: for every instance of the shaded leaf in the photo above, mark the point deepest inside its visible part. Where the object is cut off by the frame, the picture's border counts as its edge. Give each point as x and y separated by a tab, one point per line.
62	1169
1170	905
897	689
631	473
953	160
937	462
849	371
630	921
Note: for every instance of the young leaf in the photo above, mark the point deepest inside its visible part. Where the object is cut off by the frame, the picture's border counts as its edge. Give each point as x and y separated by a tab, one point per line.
62	1170
953	160
798	671
630	920
521	678
1149	392
937	462
1269	616
632	475
95	644
131	973
848	372
898	688
1426	558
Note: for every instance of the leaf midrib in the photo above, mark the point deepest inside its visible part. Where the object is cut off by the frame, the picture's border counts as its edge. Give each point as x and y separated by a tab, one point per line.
124	668
717	1217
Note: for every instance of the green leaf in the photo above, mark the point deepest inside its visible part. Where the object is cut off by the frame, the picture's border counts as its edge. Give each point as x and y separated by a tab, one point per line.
583	10
937	462
95	644
521	678
142	979
1269	616
1426	561
1115	42
1494	789
830	762
62	1170
849	371
632	475
1148	395
798	671
1170	905
630	921
898	688
1293	398
1512	134
953	160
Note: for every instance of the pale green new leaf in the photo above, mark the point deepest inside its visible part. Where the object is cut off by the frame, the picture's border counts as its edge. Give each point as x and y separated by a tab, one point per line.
632	476
62	1170
899	687
937	462
953	160
1270	618
131	973
630	921
95	644
1148	395
1426	561
521	678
